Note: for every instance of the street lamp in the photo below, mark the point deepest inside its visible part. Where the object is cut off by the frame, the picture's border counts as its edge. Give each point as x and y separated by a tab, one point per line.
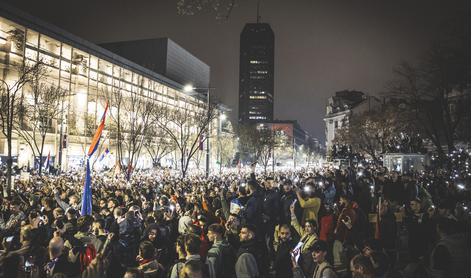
223	117
188	89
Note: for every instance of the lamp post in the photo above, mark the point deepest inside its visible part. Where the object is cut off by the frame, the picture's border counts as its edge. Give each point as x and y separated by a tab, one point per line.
61	132
188	89
222	118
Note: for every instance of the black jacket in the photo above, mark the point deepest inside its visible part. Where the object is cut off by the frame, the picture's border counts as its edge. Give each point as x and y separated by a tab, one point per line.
254	209
285	203
64	266
271	205
257	250
282	262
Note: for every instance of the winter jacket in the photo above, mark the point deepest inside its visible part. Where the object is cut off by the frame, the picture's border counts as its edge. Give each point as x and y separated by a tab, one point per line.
282	260
151	269
271	206
311	208
247	265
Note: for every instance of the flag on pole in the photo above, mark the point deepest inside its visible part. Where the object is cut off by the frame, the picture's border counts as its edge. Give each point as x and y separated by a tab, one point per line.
97	136
87	188
46	163
105	153
201	141
87	193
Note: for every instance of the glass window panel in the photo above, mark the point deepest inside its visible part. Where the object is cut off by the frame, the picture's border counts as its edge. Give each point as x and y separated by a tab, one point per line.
32	38
93	62
116	71
66	51
64	84
93	75
105	67
80	62
31	54
49	45
127	75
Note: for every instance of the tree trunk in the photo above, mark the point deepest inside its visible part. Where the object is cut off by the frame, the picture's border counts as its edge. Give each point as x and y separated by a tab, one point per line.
7	188
182	162
41	155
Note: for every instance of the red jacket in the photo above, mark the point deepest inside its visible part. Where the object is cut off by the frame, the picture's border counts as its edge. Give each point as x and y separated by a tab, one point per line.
326	227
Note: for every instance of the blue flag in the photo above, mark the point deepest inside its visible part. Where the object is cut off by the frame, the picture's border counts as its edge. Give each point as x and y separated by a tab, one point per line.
87	187
87	193
106	152
46	163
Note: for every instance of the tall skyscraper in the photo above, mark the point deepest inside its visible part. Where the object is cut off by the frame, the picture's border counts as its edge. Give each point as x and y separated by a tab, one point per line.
256	73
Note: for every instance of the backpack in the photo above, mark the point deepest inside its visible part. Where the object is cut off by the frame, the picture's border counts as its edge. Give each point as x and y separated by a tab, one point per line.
225	260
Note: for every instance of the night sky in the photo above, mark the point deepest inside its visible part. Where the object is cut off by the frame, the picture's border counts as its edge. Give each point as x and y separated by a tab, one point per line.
320	46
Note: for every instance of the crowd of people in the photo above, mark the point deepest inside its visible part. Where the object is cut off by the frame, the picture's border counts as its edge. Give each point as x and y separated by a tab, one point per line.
361	221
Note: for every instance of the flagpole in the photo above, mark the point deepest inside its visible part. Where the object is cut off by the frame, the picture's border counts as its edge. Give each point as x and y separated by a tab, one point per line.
87	190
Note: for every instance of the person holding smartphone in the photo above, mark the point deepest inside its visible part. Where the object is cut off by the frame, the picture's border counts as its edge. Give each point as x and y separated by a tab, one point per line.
282	258
308	237
318	255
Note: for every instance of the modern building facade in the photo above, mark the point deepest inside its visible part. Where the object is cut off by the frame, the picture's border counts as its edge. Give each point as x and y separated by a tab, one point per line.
341	106
256	73
166	57
87	72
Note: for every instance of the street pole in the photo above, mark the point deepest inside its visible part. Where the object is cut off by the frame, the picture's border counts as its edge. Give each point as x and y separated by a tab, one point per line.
61	135
218	142
190	88
207	134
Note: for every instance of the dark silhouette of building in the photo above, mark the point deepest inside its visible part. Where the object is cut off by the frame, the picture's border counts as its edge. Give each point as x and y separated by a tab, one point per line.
164	56
256	73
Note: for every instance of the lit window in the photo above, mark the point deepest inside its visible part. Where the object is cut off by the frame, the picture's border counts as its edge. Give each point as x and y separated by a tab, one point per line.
257	118
258	97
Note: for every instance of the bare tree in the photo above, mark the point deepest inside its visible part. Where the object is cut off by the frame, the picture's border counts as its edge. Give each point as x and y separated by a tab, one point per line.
257	144
437	89
438	106
11	94
38	110
139	110
283	148
266	147
157	144
131	113
222	8
116	103
370	132
187	126
226	148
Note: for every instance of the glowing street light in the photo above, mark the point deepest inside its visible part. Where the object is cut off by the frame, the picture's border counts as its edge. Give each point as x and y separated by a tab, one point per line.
188	89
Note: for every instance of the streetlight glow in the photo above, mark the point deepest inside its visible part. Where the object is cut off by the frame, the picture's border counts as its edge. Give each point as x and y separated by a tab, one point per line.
188	88
223	117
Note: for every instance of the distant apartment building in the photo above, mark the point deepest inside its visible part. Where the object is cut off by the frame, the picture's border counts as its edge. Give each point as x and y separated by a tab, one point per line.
341	107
